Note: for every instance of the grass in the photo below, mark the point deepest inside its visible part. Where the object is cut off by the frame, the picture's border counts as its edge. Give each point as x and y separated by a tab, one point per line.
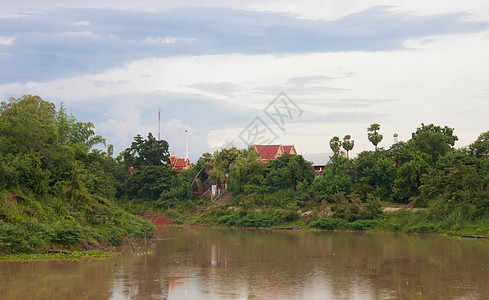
47	257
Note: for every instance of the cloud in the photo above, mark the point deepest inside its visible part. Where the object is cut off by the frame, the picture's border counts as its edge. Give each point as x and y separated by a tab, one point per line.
314	79
59	43
195	110
5	40
221	88
355	103
298	90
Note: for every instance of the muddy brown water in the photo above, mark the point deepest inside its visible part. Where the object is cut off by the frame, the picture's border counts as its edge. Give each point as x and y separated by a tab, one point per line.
205	263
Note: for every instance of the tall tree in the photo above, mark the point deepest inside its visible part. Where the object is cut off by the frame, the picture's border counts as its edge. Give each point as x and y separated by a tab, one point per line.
373	134
338	155
149	174
146	152
335	144
27	124
480	148
433	140
348	144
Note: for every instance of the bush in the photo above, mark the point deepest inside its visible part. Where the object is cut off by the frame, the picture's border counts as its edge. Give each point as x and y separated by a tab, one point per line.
363	224
115	235
240	218
67	233
351	207
329	223
424	227
17	238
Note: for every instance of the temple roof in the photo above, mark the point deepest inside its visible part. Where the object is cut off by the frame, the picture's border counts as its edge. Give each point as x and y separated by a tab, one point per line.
268	152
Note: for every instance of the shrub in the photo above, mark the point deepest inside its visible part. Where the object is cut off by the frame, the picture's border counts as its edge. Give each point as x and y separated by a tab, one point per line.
17	238
363	224
67	233
115	235
241	218
424	227
351	207
329	223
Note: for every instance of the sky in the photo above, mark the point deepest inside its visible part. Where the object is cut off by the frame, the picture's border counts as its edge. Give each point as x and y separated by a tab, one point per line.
233	73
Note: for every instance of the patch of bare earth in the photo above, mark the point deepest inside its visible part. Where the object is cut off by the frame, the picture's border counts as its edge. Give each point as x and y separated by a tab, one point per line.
157	219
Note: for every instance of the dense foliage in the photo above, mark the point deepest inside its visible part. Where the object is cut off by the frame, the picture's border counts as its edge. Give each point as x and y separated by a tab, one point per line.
426	171
55	190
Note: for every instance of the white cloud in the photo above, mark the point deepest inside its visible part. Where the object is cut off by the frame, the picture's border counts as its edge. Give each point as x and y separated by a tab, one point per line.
6	40
82	23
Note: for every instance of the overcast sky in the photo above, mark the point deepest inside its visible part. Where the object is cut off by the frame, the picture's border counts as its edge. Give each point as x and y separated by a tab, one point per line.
298	72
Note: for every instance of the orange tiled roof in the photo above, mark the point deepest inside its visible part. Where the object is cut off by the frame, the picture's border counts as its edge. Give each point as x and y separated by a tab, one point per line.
267	152
179	163
287	149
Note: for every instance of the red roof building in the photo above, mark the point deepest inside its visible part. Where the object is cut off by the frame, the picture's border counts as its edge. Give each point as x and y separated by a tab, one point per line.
268	152
179	163
289	149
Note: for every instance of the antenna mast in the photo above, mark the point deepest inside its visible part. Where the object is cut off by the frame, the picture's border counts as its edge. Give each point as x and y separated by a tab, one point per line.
186	145
159	121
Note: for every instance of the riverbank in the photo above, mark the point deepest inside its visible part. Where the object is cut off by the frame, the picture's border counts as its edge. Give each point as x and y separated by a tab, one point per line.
30	223
68	256
403	220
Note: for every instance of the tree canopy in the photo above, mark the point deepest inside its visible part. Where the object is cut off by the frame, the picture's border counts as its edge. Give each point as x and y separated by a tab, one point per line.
373	134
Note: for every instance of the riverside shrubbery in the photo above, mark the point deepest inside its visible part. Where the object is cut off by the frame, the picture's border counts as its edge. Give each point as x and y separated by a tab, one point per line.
55	190
21	232
266	218
333	223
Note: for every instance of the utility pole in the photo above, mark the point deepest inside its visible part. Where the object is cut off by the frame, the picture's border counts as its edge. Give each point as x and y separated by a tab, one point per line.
186	144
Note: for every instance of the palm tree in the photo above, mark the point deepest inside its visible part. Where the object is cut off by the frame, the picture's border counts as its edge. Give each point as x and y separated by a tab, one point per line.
373	135
348	144
335	144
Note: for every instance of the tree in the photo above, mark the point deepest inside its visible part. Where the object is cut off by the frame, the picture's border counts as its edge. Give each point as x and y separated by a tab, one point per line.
373	135
374	173
335	144
27	124
246	176
433	140
286	172
348	144
33	133
146	152
338	155
480	148
406	186
150	175
223	160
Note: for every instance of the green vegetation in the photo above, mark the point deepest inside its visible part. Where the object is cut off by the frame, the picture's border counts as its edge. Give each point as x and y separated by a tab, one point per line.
56	190
71	256
448	187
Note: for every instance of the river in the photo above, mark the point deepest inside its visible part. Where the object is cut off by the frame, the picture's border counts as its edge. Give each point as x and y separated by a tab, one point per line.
209	263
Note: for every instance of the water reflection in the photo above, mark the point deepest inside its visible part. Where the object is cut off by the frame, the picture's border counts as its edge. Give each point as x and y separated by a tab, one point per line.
202	263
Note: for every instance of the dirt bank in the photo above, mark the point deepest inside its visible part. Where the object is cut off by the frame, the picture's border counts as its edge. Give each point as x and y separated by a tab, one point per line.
156	219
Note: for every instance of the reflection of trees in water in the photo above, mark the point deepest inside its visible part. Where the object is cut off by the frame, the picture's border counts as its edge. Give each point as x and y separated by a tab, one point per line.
143	276
201	263
56	280
271	263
